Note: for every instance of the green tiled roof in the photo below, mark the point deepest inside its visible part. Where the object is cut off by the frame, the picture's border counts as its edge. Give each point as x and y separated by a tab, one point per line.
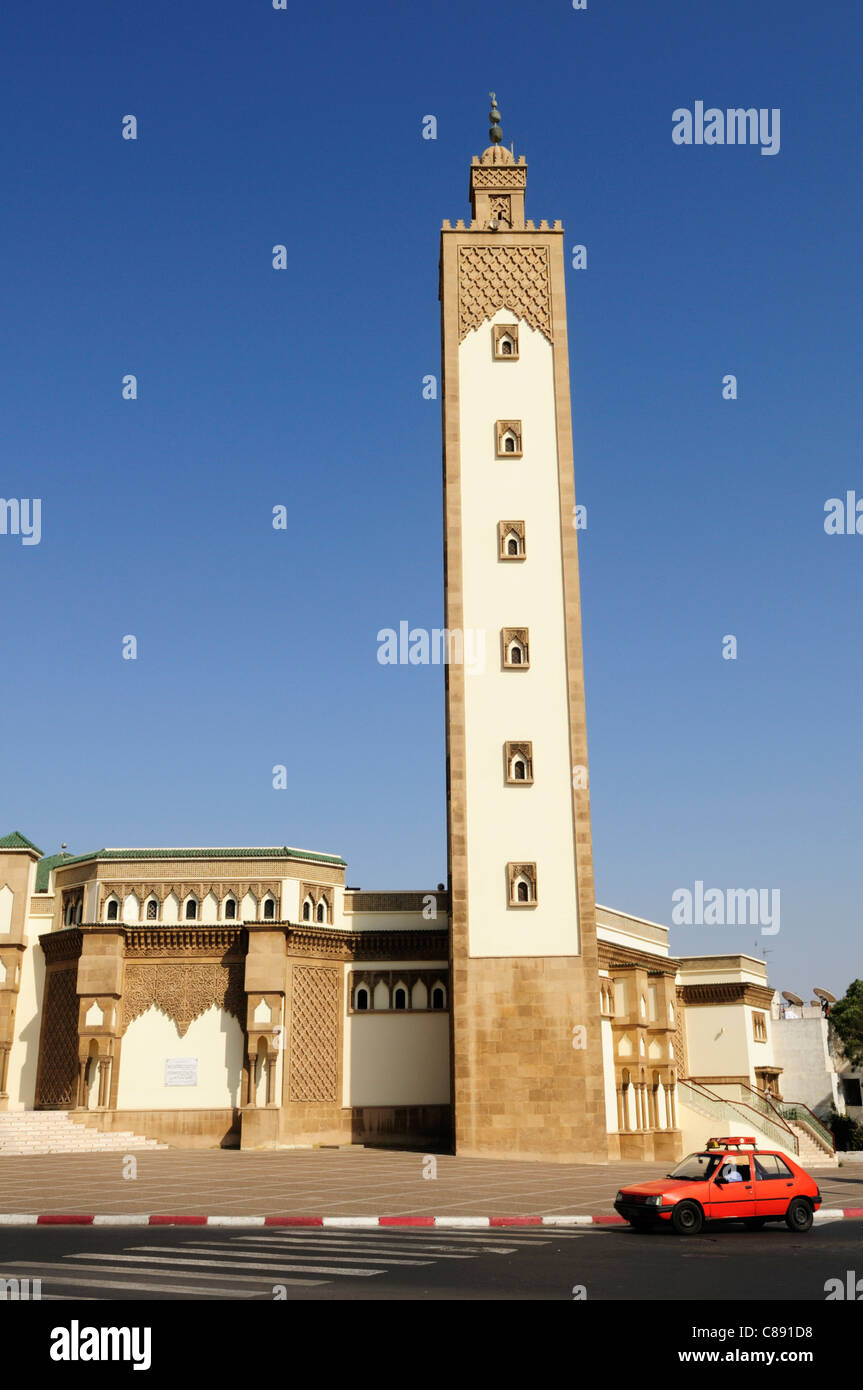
44	867
16	840
257	852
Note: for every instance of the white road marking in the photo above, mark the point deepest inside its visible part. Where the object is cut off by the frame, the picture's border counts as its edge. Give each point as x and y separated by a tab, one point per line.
367	1250
246	1255
220	1264
156	1273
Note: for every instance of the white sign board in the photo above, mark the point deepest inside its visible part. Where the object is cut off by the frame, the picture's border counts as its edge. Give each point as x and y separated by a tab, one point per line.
181	1071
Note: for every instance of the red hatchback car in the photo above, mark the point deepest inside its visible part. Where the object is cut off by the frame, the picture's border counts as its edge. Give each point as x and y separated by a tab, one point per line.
729	1180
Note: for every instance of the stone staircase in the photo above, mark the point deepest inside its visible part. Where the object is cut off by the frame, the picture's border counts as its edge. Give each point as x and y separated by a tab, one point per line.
811	1153
55	1132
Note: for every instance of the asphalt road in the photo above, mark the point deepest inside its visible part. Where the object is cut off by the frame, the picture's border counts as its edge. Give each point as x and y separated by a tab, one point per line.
141	1264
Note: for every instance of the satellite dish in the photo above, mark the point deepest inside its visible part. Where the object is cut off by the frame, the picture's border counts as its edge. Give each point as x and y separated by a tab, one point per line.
791	998
825	995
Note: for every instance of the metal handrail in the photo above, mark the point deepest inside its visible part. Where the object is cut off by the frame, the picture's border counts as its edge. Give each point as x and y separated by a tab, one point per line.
731	1110
762	1103
791	1110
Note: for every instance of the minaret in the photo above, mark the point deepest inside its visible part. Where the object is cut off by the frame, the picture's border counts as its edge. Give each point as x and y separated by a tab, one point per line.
526	1050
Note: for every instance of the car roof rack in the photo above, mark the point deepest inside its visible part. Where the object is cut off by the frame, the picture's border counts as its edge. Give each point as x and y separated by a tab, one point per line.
732	1141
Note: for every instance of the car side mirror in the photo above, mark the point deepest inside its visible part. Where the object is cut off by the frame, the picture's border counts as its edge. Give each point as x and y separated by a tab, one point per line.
720	1182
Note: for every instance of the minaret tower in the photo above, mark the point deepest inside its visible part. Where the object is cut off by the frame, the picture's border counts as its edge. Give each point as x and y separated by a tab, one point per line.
526	1050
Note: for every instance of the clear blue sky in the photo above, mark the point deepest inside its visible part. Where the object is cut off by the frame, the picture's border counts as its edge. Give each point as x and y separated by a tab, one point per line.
303	387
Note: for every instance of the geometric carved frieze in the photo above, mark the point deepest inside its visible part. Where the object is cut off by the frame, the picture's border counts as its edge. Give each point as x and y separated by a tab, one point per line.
503	277
58	1044
487	177
183	992
314	1066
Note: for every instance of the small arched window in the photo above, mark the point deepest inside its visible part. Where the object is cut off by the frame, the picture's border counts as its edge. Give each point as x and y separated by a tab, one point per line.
269	909
519	770
113	910
361	999
512	546
192	910
522	891
400	998
515	654
230	909
321	911
509	444
79	913
307	910
152	910
437	999
506	347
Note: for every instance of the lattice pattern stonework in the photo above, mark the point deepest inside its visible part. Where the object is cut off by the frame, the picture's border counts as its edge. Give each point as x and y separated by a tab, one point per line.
183	992
315	1034
58	1052
503	277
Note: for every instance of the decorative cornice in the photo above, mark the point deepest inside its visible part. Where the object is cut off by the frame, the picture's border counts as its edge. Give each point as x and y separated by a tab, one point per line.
61	945
728	992
198	939
367	945
614	957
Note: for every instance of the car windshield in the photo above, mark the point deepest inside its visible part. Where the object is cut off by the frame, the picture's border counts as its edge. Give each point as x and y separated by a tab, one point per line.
696	1167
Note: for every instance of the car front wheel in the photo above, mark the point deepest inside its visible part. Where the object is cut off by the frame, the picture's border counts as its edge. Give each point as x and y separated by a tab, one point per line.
799	1215
687	1218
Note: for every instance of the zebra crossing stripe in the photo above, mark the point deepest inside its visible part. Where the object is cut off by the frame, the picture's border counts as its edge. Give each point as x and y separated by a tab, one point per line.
62	1268
268	1267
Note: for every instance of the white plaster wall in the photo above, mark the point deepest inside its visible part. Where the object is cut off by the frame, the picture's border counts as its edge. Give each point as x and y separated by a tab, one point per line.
216	1039
397	1058
608	1076
697	1129
6	900
515	823
24	1054
808	1070
716	1040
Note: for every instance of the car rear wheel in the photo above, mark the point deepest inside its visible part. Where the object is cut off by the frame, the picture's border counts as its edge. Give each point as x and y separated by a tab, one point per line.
687	1218
754	1223
799	1215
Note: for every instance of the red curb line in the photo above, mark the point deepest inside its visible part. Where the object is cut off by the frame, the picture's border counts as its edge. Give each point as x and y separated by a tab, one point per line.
847	1211
49	1220
293	1221
603	1220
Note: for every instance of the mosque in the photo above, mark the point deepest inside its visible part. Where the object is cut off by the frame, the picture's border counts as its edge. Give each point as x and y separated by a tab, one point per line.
246	997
